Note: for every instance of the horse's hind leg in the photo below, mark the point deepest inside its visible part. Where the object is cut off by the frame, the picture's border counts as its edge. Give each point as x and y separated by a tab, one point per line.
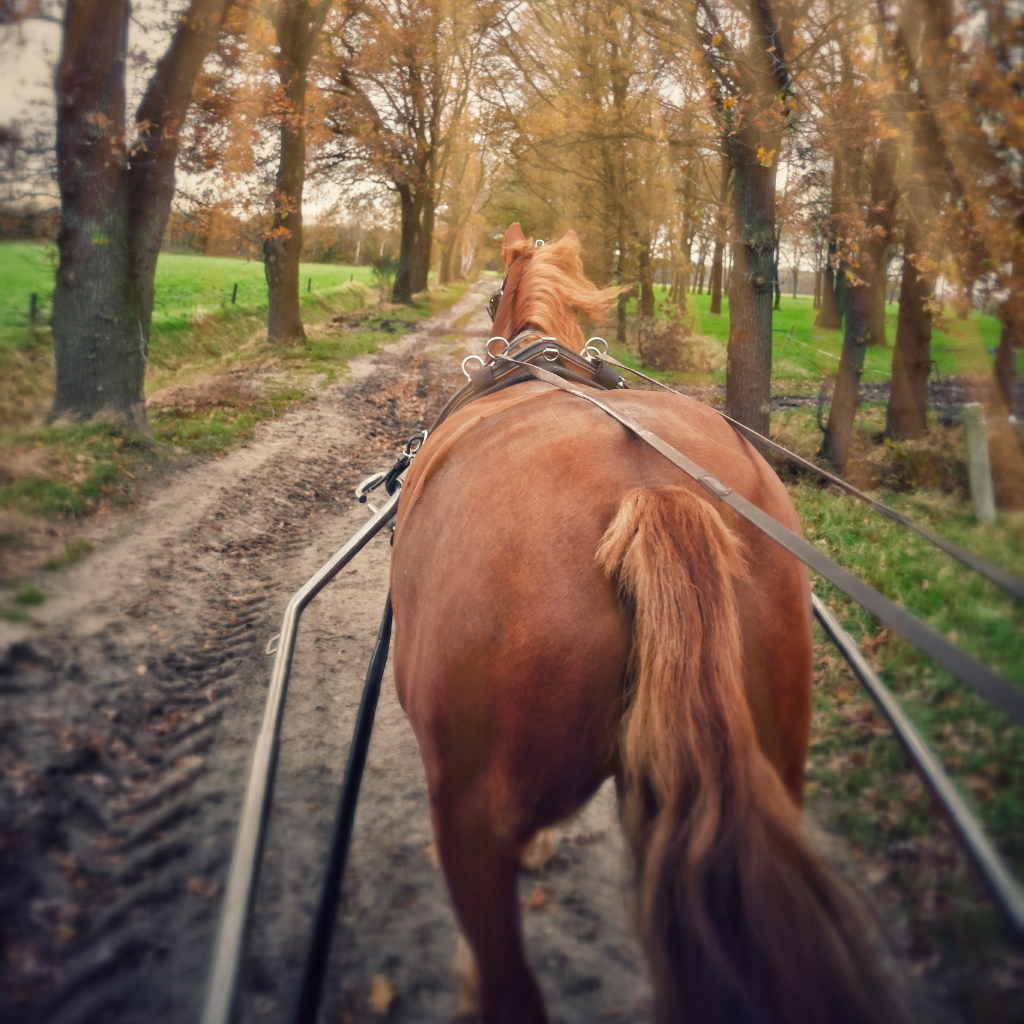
482	879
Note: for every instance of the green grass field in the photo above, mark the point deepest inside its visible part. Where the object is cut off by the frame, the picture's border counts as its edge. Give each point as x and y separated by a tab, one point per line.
190	291
958	346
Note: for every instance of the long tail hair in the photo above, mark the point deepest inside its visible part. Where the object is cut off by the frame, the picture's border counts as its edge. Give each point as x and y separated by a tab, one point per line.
741	921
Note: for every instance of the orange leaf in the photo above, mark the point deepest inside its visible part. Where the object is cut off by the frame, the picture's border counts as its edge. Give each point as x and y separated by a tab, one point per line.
537	898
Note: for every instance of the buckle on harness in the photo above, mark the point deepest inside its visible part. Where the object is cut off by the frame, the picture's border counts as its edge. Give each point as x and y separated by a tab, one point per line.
714	486
390	478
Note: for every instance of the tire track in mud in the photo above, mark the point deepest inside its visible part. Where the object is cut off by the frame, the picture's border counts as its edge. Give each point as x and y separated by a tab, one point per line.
126	722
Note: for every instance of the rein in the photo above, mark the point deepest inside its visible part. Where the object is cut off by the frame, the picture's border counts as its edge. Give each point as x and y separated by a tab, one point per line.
549	361
1000	577
986	683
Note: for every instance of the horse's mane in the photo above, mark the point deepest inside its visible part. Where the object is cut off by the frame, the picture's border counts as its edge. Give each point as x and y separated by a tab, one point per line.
553	289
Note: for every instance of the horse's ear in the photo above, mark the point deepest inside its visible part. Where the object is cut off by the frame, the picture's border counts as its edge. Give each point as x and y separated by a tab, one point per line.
572	234
513	235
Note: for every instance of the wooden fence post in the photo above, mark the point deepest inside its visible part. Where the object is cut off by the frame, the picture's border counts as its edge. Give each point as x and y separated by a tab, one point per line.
979	469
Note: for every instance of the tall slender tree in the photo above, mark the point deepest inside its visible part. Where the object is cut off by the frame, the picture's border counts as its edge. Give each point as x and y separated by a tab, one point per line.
401	74
752	92
297	28
924	34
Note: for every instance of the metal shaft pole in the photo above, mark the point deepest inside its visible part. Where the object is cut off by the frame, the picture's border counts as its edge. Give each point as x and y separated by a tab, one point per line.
1002	887
242	875
326	911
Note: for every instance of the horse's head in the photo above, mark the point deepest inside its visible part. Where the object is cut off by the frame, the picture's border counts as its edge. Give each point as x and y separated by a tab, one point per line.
544	288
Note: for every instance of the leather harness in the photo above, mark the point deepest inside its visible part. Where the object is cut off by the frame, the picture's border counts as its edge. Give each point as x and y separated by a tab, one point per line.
501	372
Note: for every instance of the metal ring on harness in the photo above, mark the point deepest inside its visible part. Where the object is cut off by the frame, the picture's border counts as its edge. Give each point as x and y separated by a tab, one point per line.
551	354
415	443
497	355
467	359
591	351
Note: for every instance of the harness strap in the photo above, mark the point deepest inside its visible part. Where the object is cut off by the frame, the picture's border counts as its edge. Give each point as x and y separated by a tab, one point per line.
993	573
493	376
968	670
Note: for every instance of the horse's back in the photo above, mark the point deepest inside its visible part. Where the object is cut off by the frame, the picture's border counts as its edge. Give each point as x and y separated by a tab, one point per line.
511	644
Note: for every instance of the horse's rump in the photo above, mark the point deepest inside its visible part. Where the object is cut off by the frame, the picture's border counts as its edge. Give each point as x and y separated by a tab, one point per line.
507	504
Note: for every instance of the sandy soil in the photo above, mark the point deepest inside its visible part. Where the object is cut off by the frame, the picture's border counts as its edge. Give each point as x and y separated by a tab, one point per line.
128	713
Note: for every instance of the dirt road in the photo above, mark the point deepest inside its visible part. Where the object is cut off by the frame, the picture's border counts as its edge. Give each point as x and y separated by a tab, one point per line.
127	718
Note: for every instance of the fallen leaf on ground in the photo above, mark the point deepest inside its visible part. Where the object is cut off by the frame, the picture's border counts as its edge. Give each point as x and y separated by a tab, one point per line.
539	850
382	995
208	891
537	898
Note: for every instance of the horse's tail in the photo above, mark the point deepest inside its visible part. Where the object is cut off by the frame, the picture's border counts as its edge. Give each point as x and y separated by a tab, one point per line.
741	921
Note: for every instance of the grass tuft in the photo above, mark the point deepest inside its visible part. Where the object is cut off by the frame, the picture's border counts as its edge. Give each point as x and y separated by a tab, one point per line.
30	595
73	552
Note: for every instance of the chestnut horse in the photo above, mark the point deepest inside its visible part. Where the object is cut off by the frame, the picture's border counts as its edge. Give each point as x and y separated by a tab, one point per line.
570	606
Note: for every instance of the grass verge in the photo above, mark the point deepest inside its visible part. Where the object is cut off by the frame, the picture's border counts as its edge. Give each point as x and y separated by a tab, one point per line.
860	785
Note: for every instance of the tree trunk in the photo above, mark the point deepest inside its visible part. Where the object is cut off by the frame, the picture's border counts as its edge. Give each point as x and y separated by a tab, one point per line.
98	344
283	246
795	272
445	273
817	288
857	313
1012	315
721	225
715	286
1005	368
749	358
151	179
114	213
830	316
402	291
907	412
297	24
645	302
775	276
424	245
876	335
620	274
880	221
